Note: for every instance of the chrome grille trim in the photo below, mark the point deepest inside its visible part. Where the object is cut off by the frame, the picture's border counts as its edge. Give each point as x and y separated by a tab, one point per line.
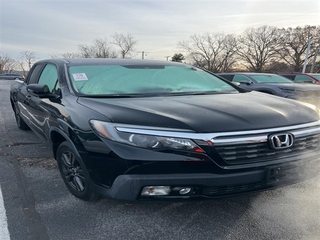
183	133
261	152
261	138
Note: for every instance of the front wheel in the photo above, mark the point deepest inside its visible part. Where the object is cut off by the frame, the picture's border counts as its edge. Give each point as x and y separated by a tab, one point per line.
74	173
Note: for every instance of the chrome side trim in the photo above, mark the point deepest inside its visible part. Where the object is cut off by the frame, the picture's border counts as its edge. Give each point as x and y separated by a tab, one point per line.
223	137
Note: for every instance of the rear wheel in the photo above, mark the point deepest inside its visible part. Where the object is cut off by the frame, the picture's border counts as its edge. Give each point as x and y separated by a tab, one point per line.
20	123
74	173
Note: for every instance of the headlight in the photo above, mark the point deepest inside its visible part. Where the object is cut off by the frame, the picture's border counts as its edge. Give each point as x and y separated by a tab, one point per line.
146	140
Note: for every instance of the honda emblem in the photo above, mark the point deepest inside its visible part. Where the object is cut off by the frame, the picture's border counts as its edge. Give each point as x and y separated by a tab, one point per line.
282	140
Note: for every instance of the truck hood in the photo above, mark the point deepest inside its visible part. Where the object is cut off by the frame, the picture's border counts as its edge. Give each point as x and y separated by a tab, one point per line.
205	113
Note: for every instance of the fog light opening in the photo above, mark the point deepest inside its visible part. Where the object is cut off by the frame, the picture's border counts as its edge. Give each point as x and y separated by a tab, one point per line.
156	191
183	190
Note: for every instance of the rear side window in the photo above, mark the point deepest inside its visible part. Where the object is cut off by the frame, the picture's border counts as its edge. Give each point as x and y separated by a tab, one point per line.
302	78
49	76
317	76
270	78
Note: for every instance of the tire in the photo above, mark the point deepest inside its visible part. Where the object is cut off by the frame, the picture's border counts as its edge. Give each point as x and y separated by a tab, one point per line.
74	173
20	122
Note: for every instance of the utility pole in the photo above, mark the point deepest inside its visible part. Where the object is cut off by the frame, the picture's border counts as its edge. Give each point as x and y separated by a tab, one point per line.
314	59
307	55
143	53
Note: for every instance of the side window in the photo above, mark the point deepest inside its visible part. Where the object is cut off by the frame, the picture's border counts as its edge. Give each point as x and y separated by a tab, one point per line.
241	78
228	77
34	74
302	78
49	76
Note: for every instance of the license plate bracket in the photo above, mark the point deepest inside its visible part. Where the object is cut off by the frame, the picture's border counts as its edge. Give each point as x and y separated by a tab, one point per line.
281	173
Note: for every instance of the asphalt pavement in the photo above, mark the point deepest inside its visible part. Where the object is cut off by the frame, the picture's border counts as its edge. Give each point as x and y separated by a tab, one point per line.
39	206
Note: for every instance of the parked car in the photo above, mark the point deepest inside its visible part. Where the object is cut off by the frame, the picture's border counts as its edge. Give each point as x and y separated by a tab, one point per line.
139	130
302	77
275	85
11	76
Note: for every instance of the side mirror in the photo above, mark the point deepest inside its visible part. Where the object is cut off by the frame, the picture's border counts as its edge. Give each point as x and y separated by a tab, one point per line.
38	89
41	91
247	83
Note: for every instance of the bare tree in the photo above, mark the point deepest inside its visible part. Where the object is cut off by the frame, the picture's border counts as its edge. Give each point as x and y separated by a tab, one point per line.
228	59
7	64
29	57
100	48
276	67
215	52
26	61
55	55
103	49
293	43
65	55
126	43
86	51
317	67
257	47
70	55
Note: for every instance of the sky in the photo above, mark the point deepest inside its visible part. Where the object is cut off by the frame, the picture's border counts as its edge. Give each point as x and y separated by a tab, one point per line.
49	27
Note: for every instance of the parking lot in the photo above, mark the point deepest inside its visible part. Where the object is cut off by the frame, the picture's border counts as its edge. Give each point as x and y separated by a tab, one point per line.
39	206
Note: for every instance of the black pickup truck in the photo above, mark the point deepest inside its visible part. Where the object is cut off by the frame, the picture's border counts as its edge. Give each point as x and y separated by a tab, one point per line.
139	130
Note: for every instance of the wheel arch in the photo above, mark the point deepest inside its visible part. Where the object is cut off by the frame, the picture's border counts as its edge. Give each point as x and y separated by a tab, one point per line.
57	136
12	104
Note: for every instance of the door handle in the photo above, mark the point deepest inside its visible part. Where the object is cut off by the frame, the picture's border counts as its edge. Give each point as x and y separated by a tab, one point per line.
27	99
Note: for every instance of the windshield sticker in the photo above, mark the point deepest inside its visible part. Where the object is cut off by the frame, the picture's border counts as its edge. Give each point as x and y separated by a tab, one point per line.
80	77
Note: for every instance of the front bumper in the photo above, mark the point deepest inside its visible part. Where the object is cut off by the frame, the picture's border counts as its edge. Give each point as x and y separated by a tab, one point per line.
129	187
236	162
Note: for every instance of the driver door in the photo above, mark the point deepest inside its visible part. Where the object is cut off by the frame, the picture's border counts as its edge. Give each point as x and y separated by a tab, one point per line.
38	107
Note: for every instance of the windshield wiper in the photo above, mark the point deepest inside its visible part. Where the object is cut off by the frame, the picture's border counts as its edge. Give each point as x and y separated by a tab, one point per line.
155	94
209	92
112	95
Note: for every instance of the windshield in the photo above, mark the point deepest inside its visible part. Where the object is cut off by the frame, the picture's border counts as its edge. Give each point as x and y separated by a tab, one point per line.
270	79
95	80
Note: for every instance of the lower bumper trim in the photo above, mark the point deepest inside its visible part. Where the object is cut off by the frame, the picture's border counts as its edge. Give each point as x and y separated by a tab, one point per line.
129	187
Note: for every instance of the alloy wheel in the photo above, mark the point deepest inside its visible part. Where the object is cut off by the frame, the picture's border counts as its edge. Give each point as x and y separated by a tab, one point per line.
72	172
